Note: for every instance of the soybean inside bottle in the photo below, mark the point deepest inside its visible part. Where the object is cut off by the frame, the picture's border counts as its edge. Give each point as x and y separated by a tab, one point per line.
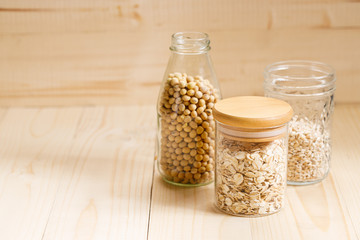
186	127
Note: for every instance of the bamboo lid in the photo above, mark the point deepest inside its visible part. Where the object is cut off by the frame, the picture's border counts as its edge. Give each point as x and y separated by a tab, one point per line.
252	112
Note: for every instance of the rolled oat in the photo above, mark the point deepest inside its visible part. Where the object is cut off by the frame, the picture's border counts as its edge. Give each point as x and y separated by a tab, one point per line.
250	177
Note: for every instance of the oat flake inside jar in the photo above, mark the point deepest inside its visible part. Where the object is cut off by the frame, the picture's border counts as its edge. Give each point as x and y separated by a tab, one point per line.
251	155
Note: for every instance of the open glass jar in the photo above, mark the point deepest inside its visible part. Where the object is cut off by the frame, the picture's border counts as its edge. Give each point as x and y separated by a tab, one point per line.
251	155
309	88
186	127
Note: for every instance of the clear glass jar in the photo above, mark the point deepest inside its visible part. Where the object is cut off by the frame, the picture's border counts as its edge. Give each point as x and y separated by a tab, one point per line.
251	155
186	127
309	88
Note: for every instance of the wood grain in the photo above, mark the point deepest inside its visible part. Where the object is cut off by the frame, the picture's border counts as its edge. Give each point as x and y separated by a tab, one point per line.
327	210
346	162
63	53
76	173
33	146
88	173
105	193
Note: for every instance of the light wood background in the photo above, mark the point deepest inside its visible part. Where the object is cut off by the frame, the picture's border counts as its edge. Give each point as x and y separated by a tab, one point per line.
86	52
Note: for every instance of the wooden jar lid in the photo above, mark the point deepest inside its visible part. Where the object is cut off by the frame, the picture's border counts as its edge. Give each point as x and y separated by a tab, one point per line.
252	112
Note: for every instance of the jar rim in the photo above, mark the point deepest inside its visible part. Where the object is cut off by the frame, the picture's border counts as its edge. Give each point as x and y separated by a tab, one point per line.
325	75
190	42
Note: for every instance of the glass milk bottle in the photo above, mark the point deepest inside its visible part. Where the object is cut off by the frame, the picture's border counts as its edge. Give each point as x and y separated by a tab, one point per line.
186	127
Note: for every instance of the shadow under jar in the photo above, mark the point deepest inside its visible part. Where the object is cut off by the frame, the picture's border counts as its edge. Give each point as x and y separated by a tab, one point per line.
186	127
309	88
251	155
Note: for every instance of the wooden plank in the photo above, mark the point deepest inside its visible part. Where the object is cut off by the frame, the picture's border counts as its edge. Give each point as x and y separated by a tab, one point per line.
109	52
108	74
33	144
108	15
327	210
106	189
312	212
189	213
86	173
345	164
3	112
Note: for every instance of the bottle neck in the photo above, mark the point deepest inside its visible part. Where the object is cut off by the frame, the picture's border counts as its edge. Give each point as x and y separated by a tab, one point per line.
191	43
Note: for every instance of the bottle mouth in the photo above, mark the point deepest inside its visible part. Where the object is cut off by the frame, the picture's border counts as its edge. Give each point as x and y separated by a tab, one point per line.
190	42
299	77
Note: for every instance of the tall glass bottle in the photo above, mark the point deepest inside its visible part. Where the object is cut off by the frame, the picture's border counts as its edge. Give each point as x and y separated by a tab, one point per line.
186	127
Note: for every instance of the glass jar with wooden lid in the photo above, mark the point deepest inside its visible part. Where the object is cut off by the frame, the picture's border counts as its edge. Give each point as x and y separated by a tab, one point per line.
251	155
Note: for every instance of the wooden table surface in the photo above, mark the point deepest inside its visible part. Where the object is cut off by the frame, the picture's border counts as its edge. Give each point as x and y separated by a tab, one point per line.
89	173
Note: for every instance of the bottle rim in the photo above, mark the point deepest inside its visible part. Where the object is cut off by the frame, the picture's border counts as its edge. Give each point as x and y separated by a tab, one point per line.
190	42
320	76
